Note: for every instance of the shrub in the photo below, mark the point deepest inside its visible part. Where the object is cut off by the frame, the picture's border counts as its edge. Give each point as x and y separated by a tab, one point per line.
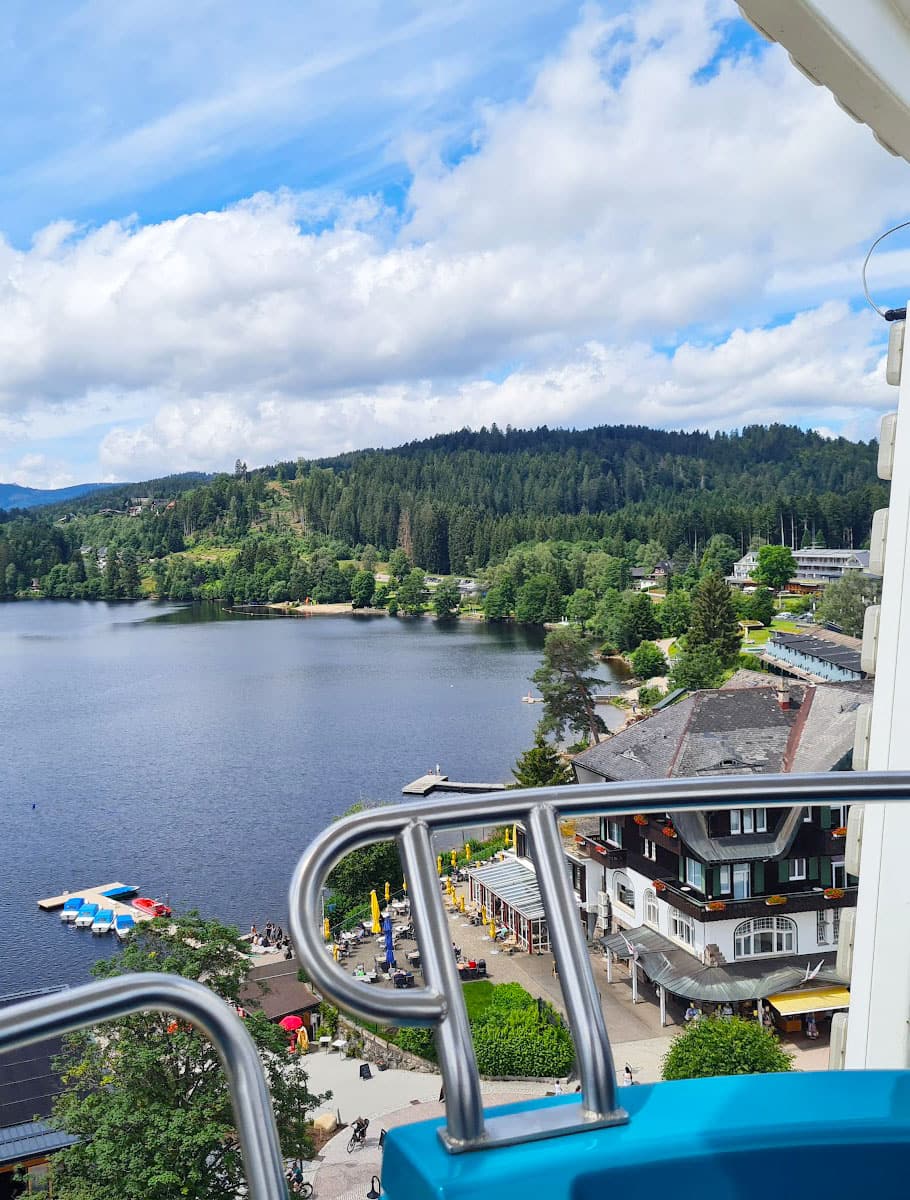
649	696
522	1042
725	1047
417	1041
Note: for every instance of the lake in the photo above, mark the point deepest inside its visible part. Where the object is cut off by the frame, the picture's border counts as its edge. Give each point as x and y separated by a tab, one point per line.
195	752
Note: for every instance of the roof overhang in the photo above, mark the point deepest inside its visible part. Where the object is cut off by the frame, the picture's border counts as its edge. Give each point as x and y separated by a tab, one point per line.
859	51
826	999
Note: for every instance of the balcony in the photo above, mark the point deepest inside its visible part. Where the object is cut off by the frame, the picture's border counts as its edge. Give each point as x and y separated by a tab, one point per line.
601	852
674	893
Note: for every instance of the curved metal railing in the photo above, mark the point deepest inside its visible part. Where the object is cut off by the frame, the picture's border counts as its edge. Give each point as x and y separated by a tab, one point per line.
440	1004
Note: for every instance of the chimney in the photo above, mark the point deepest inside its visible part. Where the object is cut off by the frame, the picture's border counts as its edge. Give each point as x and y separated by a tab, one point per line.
783	695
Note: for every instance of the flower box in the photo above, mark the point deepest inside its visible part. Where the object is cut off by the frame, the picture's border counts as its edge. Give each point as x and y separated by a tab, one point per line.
668	831
834	893
772	901
715	906
659	885
640	819
840	832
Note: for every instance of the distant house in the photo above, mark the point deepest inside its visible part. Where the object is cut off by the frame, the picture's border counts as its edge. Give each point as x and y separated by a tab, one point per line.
28	1086
814	568
275	989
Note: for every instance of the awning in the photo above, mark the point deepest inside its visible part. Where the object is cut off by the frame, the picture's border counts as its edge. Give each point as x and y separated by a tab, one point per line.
792	1004
514	884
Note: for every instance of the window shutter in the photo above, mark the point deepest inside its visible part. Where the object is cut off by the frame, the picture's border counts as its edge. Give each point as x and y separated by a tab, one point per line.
758	877
714	881
825	864
813	868
825	816
783	871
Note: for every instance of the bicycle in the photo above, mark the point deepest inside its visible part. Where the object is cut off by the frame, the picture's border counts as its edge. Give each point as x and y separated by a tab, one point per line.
297	1185
359	1134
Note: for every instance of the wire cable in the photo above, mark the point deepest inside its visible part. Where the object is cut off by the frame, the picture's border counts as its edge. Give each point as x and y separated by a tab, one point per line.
894	228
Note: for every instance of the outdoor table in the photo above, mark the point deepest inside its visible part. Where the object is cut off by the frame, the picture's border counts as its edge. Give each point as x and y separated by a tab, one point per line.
325	1042
340	1044
413	957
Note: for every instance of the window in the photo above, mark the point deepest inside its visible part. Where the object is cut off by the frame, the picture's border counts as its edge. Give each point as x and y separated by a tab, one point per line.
613	832
764	936
822	927
742	881
807	814
682	927
649	849
622	890
521	842
748	820
651	910
578	878
797	868
695	874
723	880
838	873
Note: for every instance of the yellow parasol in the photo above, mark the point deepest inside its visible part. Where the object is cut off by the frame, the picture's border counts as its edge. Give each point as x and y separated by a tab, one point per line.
467	851
326	930
461	903
388	892
483	914
492	931
508	837
374	912
404	885
335	952
454	858
438	864
303	1039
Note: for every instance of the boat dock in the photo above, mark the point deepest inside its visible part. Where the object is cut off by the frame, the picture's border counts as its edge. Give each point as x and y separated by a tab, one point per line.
431	783
94	895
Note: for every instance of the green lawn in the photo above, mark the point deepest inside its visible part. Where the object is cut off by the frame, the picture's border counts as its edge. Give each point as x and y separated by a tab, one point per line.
760	636
477	997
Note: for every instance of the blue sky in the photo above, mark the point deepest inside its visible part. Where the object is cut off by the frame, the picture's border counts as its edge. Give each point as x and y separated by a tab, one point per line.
290	228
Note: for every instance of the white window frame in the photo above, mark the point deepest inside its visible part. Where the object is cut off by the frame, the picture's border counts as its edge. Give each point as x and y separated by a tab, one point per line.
695	874
725	882
617	839
652	910
748	820
838	873
821	928
798	868
747	891
620	877
682	928
778	937
649	849
808	815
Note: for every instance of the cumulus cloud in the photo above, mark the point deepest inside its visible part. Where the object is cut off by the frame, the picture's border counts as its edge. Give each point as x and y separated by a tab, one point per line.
630	241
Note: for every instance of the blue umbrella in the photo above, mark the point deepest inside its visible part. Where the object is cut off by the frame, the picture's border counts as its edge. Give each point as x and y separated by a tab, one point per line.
389	952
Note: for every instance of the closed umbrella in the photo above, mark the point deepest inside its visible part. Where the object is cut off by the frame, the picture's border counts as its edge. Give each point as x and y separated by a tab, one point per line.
291	1022
483	914
492	931
404	885
454	858
303	1040
438	864
374	912
336	952
388	892
326	930
461	903
467	851
508	837
389	950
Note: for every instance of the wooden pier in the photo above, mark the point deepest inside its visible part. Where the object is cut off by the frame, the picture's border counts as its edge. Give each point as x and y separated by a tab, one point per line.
93	895
431	783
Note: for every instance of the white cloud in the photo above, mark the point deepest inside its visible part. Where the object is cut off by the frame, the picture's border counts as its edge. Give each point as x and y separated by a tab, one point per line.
629	203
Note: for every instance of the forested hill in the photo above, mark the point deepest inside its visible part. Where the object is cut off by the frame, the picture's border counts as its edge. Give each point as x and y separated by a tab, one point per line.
457	503
488	490
12	495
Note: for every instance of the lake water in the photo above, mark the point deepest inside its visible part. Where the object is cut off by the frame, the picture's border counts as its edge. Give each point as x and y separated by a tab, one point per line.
195	752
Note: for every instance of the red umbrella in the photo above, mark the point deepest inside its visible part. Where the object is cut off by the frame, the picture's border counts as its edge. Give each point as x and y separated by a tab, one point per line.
291	1023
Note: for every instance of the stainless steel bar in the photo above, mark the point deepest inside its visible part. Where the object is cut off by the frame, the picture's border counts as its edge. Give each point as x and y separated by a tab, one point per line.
464	1104
76	1008
592	1045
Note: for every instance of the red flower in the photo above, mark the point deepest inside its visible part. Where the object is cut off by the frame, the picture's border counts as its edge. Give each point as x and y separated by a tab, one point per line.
640	819
659	885
668	831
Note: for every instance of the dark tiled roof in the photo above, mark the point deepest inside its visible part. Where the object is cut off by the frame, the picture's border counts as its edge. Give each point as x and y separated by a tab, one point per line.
28	1082
643	751
837	655
283	993
32	1139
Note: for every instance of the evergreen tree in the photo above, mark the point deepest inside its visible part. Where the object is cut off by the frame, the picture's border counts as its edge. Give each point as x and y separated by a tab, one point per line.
130	583
112	583
542	766
362	586
720	554
697	668
412	593
567	685
714	622
399	565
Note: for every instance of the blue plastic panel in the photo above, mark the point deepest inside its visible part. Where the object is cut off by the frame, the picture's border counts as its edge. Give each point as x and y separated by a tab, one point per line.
792	1135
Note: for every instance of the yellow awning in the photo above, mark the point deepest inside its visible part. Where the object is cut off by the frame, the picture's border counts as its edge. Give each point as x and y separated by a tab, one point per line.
824	999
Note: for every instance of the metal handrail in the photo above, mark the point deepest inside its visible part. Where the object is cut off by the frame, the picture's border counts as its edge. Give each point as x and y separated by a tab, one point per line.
440	1003
65	1011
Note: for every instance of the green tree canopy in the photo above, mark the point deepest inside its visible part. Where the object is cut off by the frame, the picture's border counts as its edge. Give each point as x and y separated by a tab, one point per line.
580	606
718	1046
720	554
399	565
362	587
542	766
538	601
412	593
697	668
760	606
714	620
352	879
149	1100
675	613
567	685
446	599
845	600
775	568
647	661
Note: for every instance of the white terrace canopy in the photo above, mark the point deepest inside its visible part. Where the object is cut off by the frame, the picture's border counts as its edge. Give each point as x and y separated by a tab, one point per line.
510	893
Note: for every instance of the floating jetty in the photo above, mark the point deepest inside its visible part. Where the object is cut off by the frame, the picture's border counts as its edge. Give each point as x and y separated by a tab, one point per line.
98	895
431	783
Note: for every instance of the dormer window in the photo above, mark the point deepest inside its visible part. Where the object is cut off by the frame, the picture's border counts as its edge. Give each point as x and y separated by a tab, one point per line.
748	820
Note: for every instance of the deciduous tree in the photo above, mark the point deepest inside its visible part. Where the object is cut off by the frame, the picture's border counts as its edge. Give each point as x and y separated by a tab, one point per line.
845	601
446	599
362	587
775	568
648	661
718	1046
697	668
